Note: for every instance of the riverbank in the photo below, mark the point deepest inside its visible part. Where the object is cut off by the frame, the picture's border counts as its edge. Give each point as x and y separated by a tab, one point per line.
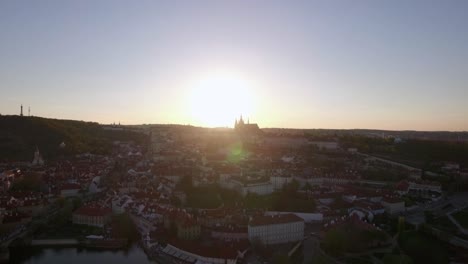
87	243
55	242
78	255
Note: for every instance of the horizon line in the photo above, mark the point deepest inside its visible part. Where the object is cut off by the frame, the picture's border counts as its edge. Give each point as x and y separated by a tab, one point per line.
228	127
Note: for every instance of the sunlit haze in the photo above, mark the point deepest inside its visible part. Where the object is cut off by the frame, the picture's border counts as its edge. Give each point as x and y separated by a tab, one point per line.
301	64
219	98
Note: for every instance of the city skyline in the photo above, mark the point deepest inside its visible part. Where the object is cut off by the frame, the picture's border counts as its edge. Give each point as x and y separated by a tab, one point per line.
312	64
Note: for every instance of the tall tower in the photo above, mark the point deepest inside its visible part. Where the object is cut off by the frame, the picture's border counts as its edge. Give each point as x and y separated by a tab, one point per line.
29	111
21	113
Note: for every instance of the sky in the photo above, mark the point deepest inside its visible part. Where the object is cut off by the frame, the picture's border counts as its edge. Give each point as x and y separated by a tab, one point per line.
399	65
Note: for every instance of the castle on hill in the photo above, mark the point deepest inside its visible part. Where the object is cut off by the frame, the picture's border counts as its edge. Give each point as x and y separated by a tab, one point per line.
246	128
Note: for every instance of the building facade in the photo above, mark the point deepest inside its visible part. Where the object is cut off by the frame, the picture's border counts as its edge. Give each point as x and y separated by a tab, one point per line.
92	215
276	229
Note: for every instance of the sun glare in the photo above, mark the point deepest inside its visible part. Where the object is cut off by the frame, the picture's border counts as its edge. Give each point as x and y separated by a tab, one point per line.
217	100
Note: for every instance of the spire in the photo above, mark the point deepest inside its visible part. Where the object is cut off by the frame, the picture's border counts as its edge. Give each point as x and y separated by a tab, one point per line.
21	113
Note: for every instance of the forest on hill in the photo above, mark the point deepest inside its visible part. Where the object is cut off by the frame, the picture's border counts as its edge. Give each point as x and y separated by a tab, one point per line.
414	152
19	137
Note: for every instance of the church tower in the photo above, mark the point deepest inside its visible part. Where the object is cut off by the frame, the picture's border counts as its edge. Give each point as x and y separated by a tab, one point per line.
241	121
38	161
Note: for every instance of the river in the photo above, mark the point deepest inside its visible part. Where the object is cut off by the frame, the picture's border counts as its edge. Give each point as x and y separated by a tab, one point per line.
78	256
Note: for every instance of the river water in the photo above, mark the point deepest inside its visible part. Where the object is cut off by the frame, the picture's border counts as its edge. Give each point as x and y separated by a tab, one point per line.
78	256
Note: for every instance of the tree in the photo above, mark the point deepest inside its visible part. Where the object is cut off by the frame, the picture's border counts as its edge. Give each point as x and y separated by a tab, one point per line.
307	187
292	187
281	259
257	245
335	242
429	216
396	259
125	228
320	259
401	224
61	202
185	184
76	203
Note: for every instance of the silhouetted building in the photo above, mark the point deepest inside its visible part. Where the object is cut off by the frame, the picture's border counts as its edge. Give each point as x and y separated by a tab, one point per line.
246	128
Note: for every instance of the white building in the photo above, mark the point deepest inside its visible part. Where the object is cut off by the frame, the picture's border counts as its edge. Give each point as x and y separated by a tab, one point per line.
94	185
425	186
276	229
244	188
38	160
325	145
279	182
393	205
261	188
202	255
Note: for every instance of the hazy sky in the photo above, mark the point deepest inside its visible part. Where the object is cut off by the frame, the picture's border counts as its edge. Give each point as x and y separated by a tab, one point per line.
306	64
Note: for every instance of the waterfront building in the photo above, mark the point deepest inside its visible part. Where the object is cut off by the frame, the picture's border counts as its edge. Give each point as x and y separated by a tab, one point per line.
276	229
92	215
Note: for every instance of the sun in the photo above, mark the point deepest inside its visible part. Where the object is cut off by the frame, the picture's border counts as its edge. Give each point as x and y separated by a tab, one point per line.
216	100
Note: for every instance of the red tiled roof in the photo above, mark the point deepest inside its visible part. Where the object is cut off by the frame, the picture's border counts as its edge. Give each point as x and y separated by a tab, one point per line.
93	210
402	186
275	219
70	186
14	217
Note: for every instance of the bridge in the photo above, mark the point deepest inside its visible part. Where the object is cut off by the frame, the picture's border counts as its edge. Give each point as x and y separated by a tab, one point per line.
54	242
5	244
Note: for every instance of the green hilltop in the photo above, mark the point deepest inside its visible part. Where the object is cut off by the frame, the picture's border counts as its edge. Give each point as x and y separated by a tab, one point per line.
19	136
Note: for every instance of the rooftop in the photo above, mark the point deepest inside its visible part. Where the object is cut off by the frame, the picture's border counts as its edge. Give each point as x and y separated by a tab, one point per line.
275	219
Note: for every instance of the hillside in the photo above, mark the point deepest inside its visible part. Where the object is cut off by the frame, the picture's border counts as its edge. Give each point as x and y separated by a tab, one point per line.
19	137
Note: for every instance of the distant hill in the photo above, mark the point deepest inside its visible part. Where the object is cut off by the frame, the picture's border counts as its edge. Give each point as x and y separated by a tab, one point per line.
328	134
19	137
